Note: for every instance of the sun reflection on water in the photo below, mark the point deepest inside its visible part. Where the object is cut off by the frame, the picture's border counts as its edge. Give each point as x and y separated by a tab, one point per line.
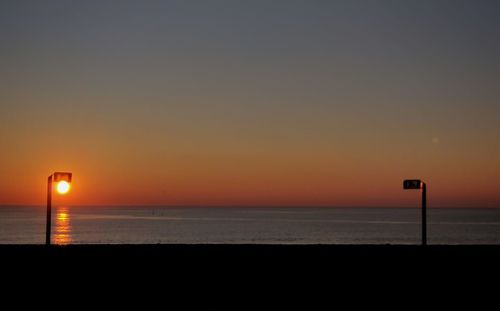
62	234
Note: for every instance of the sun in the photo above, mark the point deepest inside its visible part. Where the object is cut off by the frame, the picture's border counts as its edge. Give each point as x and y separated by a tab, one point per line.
63	187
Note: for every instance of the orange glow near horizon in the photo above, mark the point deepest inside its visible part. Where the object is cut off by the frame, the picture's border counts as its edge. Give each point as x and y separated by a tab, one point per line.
313	180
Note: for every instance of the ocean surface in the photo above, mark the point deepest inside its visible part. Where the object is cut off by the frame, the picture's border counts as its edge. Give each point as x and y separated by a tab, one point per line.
151	225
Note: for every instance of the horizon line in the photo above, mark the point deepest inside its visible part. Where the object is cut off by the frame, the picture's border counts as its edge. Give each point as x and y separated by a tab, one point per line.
250	206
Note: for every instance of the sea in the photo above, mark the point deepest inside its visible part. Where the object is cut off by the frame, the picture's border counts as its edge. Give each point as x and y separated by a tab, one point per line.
246	225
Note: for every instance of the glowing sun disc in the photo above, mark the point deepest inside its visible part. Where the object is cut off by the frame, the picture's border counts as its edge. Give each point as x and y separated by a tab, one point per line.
63	187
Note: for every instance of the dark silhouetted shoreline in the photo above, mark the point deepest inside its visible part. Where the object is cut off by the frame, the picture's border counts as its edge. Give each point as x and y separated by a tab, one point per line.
273	257
252	271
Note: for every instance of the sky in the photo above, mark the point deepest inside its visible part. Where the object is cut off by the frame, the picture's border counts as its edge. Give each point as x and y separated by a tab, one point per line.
251	103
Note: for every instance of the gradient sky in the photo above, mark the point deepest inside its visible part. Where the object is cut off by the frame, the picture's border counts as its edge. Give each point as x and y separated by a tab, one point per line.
324	103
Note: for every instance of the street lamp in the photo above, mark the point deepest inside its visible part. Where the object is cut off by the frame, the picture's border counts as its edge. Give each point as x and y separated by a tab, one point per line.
411	184
63	181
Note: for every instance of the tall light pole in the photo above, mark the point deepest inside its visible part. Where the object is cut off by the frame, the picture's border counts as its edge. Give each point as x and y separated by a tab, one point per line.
410	184
63	180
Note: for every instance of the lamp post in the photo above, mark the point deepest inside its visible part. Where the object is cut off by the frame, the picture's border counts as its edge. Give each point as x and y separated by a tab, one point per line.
63	180
411	184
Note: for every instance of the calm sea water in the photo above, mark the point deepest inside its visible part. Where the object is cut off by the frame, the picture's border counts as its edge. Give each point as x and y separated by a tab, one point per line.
81	225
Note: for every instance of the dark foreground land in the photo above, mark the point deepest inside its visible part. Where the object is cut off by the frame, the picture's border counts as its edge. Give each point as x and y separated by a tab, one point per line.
327	271
225	258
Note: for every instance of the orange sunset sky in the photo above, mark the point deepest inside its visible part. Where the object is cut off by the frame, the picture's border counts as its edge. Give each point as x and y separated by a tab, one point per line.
297	103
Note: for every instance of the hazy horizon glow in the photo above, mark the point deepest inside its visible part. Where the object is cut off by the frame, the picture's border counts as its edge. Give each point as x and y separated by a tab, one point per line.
320	103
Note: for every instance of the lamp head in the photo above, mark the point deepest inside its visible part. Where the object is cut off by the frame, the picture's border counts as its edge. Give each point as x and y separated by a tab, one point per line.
59	176
63	180
412	184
